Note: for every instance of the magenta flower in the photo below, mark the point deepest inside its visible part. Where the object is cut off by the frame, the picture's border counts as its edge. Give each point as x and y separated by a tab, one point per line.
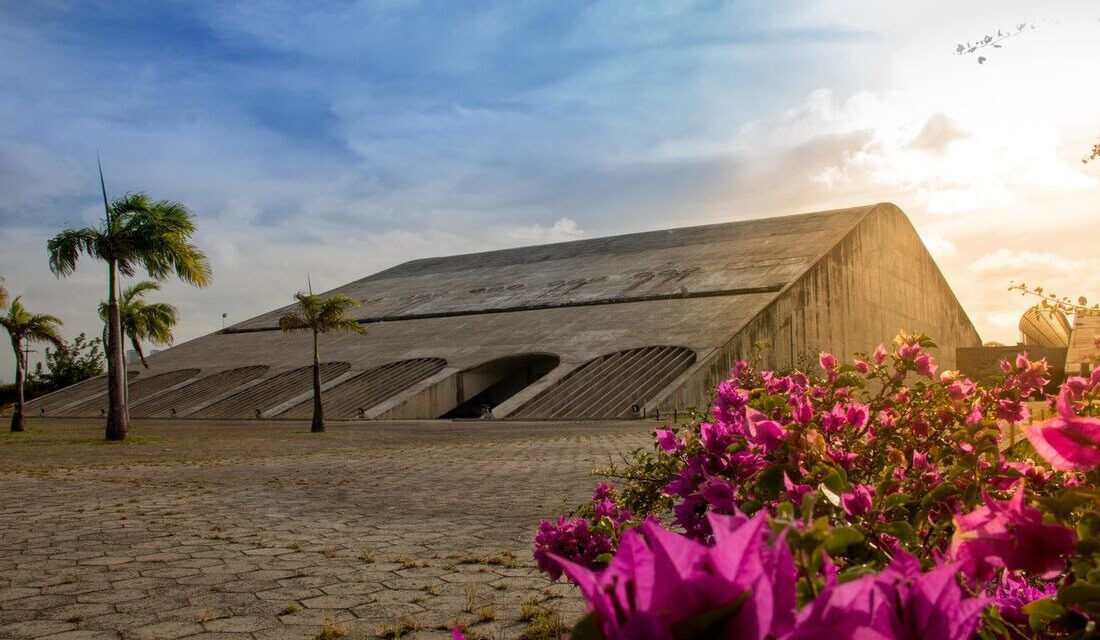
827	361
858	414
1012	410
901	603
766	434
1068	442
660	579
568	538
1014	593
795	491
1012	535
926	366
668	441
857	501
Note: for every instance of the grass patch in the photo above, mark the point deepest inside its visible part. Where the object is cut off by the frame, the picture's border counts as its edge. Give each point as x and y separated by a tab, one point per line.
397	630
331	630
409	562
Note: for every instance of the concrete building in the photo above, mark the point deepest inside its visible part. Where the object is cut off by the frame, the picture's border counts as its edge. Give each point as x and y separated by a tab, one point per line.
603	328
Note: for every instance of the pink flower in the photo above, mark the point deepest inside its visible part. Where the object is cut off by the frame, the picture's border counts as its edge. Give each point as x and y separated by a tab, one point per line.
862	366
762	432
668	441
660	579
1012	535
1068	442
1012	410
857	501
961	389
795	491
568	538
858	414
879	355
897	604
909	350
926	366
827	361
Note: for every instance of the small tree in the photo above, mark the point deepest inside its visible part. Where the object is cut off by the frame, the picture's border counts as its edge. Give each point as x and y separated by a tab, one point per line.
23	326
137	233
320	315
70	363
152	322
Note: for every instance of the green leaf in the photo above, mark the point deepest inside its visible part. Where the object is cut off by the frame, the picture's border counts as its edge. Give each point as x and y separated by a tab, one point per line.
1041	613
939	494
604	558
900	529
587	629
836	480
841	538
708	625
896	500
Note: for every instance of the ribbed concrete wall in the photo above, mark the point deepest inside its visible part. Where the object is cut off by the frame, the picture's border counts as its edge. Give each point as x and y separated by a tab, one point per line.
878	280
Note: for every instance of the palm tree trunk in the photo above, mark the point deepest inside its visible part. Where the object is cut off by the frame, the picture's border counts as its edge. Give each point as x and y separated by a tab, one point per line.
17	422
118	415
318	410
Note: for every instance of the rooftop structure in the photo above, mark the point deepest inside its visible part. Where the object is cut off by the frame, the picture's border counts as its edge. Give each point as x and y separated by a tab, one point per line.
609	327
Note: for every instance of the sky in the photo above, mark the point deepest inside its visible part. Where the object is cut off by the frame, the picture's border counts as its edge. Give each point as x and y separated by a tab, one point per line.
333	139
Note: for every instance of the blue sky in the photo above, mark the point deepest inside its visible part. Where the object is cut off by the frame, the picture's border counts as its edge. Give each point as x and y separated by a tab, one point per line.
339	138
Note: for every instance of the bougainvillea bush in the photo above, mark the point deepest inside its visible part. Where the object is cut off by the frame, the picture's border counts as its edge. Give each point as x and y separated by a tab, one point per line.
875	499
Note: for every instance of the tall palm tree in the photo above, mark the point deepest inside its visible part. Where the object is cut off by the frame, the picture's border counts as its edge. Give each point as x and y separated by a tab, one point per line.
136	232
320	315
151	322
24	326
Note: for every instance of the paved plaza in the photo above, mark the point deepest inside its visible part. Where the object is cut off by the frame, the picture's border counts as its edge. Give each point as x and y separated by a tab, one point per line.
241	530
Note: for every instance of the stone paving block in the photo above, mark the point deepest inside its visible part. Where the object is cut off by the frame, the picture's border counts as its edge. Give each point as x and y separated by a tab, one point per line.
214	548
241	624
34	628
84	634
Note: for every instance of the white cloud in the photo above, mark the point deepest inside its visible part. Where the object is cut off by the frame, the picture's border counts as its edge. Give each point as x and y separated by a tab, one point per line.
563	230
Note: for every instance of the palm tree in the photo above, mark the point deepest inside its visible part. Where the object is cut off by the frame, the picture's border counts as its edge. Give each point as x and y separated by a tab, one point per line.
23	326
141	321
320	315
136	232
3	295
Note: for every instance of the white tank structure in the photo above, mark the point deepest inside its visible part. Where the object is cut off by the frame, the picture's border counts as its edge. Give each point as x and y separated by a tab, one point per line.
1045	327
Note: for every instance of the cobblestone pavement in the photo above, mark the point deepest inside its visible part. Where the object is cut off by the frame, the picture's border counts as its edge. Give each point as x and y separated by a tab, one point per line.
261	530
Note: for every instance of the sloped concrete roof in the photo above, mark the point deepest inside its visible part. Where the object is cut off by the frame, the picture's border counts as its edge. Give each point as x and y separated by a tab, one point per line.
840	280
750	256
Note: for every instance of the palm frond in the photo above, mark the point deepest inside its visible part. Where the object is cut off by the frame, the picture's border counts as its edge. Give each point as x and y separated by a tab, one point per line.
293	322
3	295
24	325
66	247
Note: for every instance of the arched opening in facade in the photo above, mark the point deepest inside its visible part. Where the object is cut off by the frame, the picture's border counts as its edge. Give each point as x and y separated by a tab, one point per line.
479	389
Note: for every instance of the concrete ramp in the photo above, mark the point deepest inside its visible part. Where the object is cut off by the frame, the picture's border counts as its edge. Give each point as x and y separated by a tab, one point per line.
367	389
141	388
612	385
269	393
48	405
175	401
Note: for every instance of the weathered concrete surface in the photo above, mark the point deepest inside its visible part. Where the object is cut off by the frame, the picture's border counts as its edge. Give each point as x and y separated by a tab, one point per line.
840	280
261	530
1084	348
983	364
